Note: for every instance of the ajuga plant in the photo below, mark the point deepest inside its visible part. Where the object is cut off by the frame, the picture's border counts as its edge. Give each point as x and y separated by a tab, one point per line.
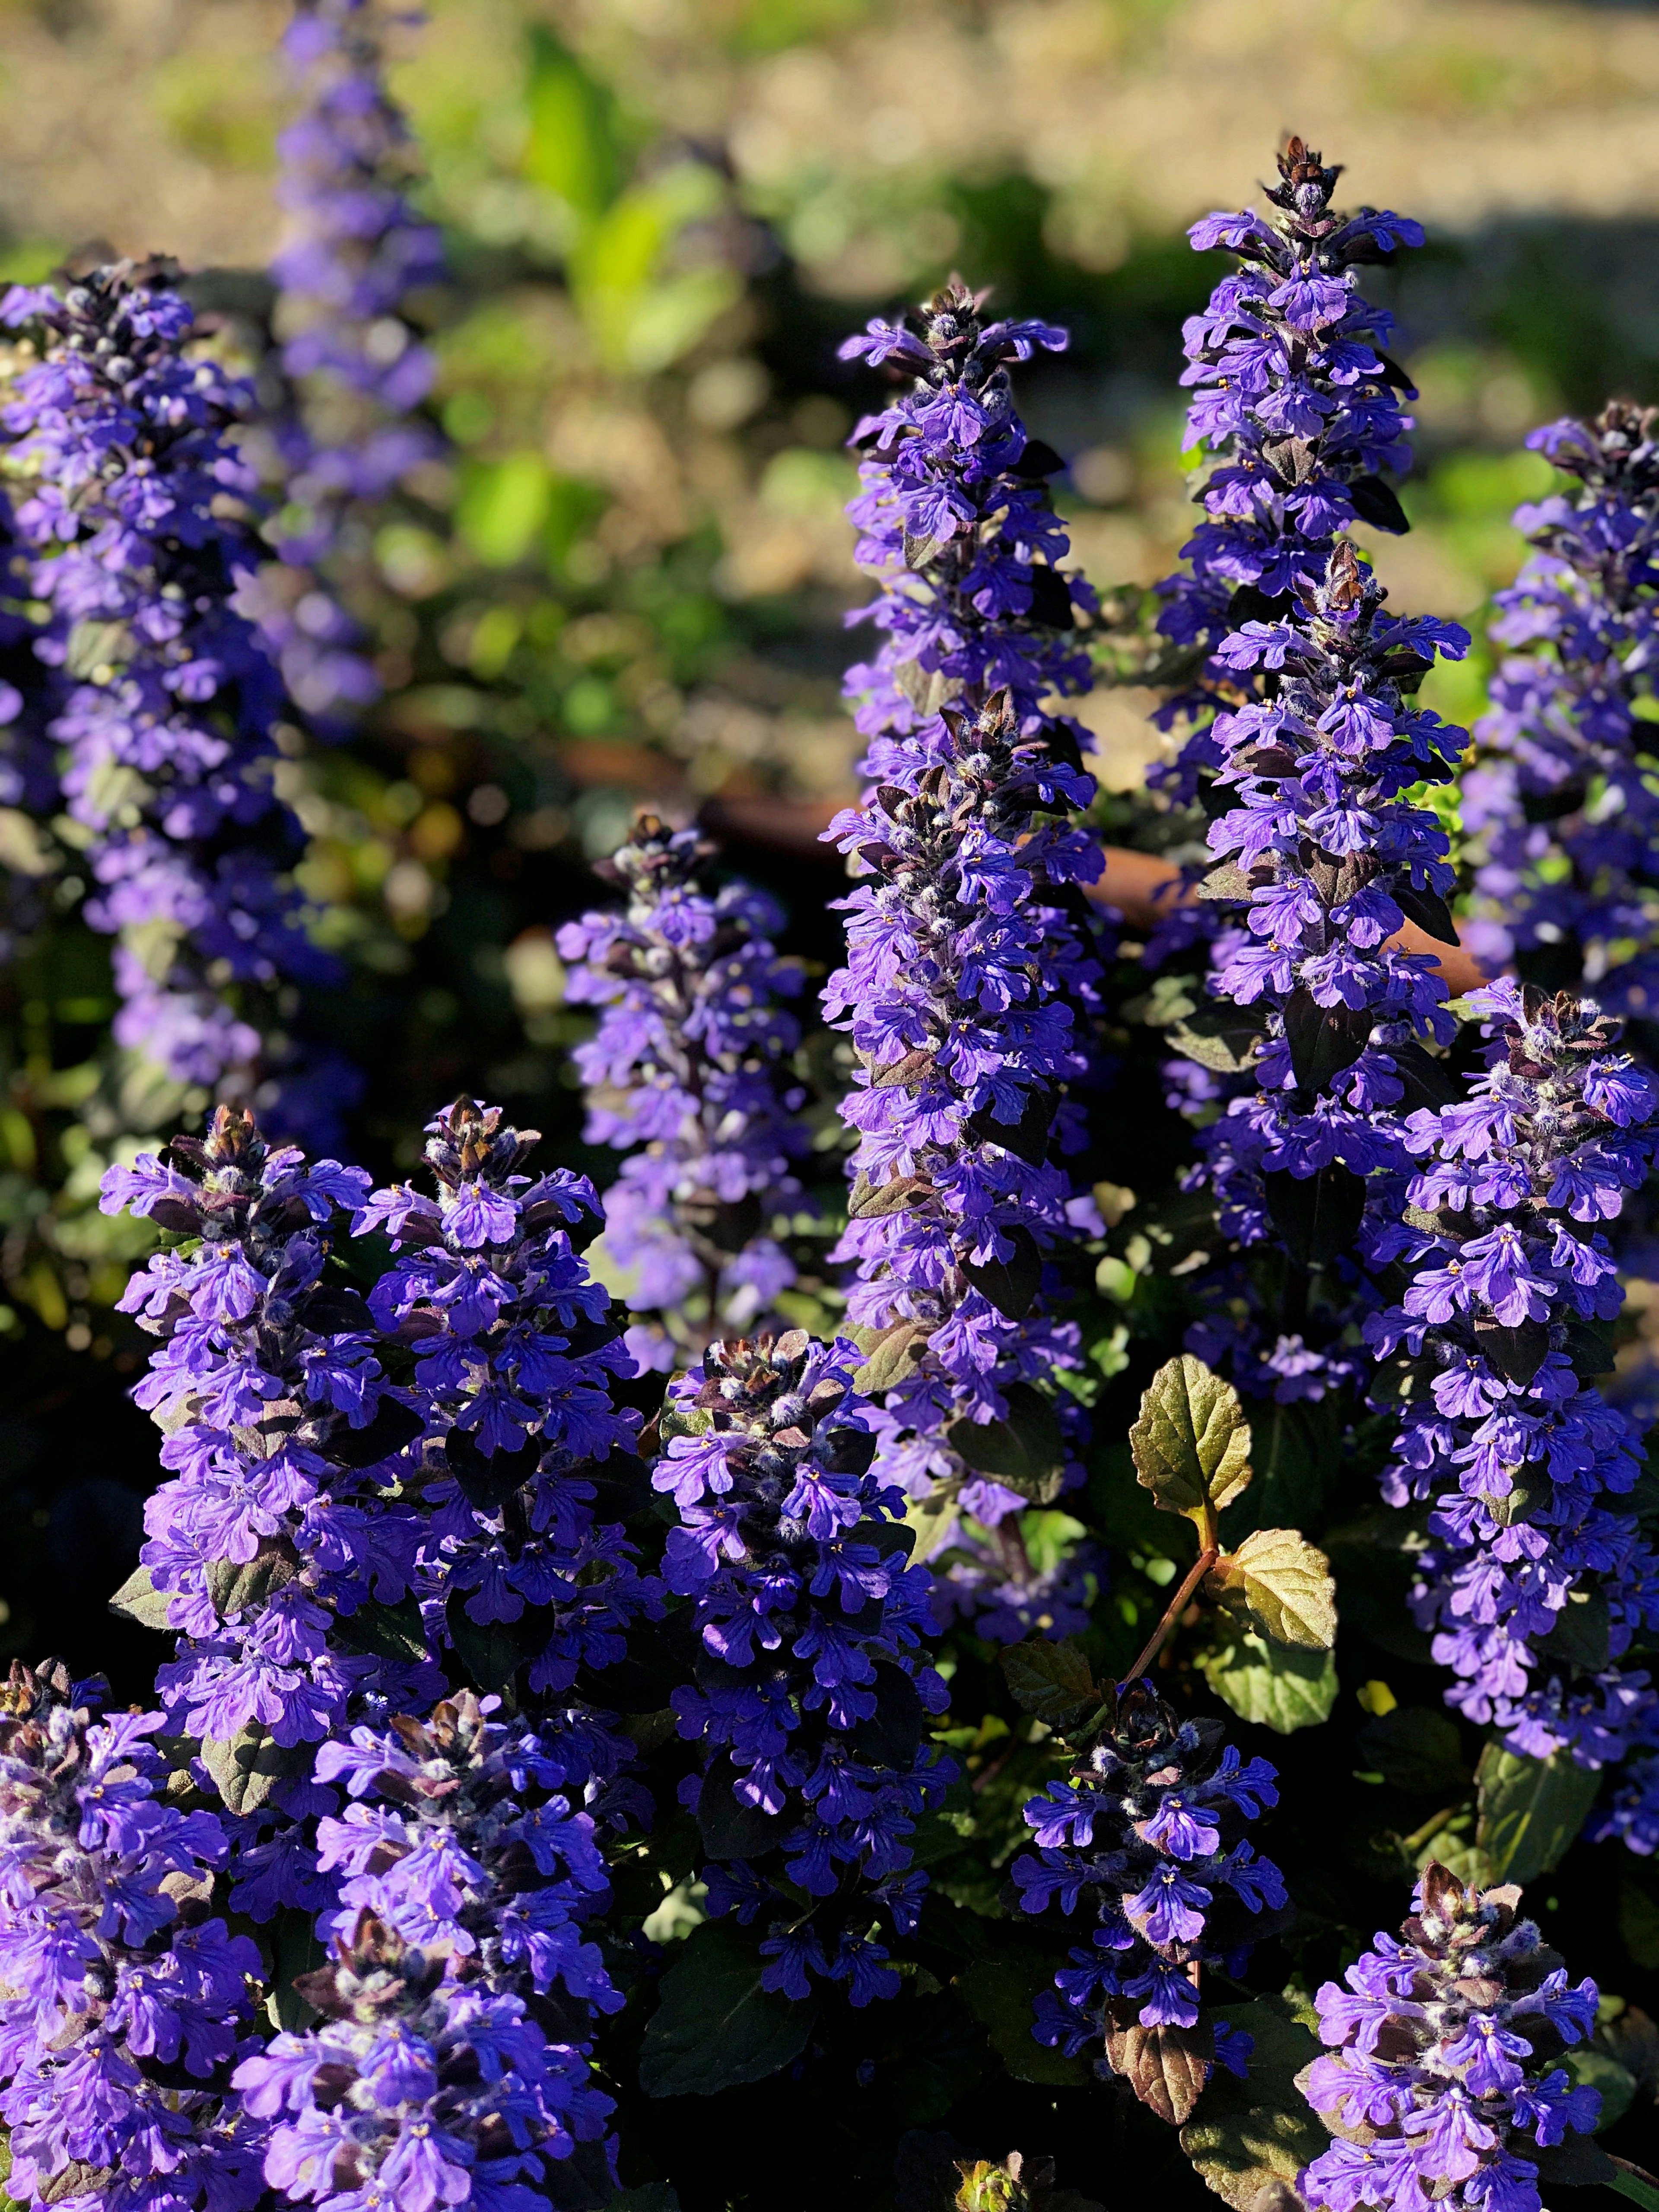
1146	1837
163	702
127	2002
1441	2084
1297	415
689	1074
811	1686
1565	774
450	2063
1536	1579
972	971
352	367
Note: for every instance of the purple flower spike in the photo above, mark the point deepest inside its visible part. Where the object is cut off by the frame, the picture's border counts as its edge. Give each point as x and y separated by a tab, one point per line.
812	1695
353	252
1563	731
1440	2081
164	703
1299	408
1536	1580
690	1075
126	2005
1148	1834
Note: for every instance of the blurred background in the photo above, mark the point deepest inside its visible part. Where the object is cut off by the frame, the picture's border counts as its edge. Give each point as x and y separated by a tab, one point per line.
625	580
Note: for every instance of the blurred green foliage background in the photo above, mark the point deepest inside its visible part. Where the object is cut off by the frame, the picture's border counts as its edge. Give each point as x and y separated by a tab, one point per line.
626	583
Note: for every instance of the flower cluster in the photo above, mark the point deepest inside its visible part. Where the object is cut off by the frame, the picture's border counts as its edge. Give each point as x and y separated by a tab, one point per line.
1567	771
515	1354
352	252
1440	2084
164	701
688	1074
280	1431
810	1701
467	1863
419	2089
967	990
1534	1581
1297	408
1148	1833
125	2005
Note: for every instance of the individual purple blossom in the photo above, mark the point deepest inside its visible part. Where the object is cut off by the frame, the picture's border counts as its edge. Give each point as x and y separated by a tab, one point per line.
689	1074
1536	1580
1565	774
1439	2083
352	252
163	702
1147	1836
125	2003
1296	412
812	1690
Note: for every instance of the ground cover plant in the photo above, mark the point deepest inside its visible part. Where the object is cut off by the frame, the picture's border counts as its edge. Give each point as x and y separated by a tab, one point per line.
907	1638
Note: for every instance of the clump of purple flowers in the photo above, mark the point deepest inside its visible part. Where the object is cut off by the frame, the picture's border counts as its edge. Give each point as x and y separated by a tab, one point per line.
1327	853
1441	2084
1568	769
164	701
689	1073
467	1864
1534	1582
352	252
419	2089
1147	1833
280	1431
514	1356
125	2003
1297	408
812	1692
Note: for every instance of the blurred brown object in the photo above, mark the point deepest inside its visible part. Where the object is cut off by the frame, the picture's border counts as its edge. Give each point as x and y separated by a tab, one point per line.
1138	884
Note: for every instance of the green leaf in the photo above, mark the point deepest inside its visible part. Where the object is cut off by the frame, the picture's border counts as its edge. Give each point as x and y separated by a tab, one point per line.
1166	2066
1000	1991
1317	1217
390	1631
1027	1451
933	1519
1593	2069
1226	1037
295	1950
890	1355
249	1766
139	1600
1253	2134
714	2025
1531	1809
1416	1748
1192	1442
1581	1635
1280	1584
1276	1685
1052	1680
234	1585
1011	1284
1296	1453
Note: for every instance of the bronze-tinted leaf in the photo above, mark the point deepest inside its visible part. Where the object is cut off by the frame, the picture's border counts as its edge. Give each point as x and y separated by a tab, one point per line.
1054	1681
1011	1284
1192	1443
1281	1585
1166	2067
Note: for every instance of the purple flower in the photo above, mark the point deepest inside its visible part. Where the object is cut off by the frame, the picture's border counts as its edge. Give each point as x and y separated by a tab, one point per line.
167	732
690	1075
1446	2089
1523	1463
124	2011
811	1693
1147	1831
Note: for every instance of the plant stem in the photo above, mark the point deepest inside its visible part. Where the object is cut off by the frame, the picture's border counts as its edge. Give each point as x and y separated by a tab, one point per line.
1634	2182
1172	1613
